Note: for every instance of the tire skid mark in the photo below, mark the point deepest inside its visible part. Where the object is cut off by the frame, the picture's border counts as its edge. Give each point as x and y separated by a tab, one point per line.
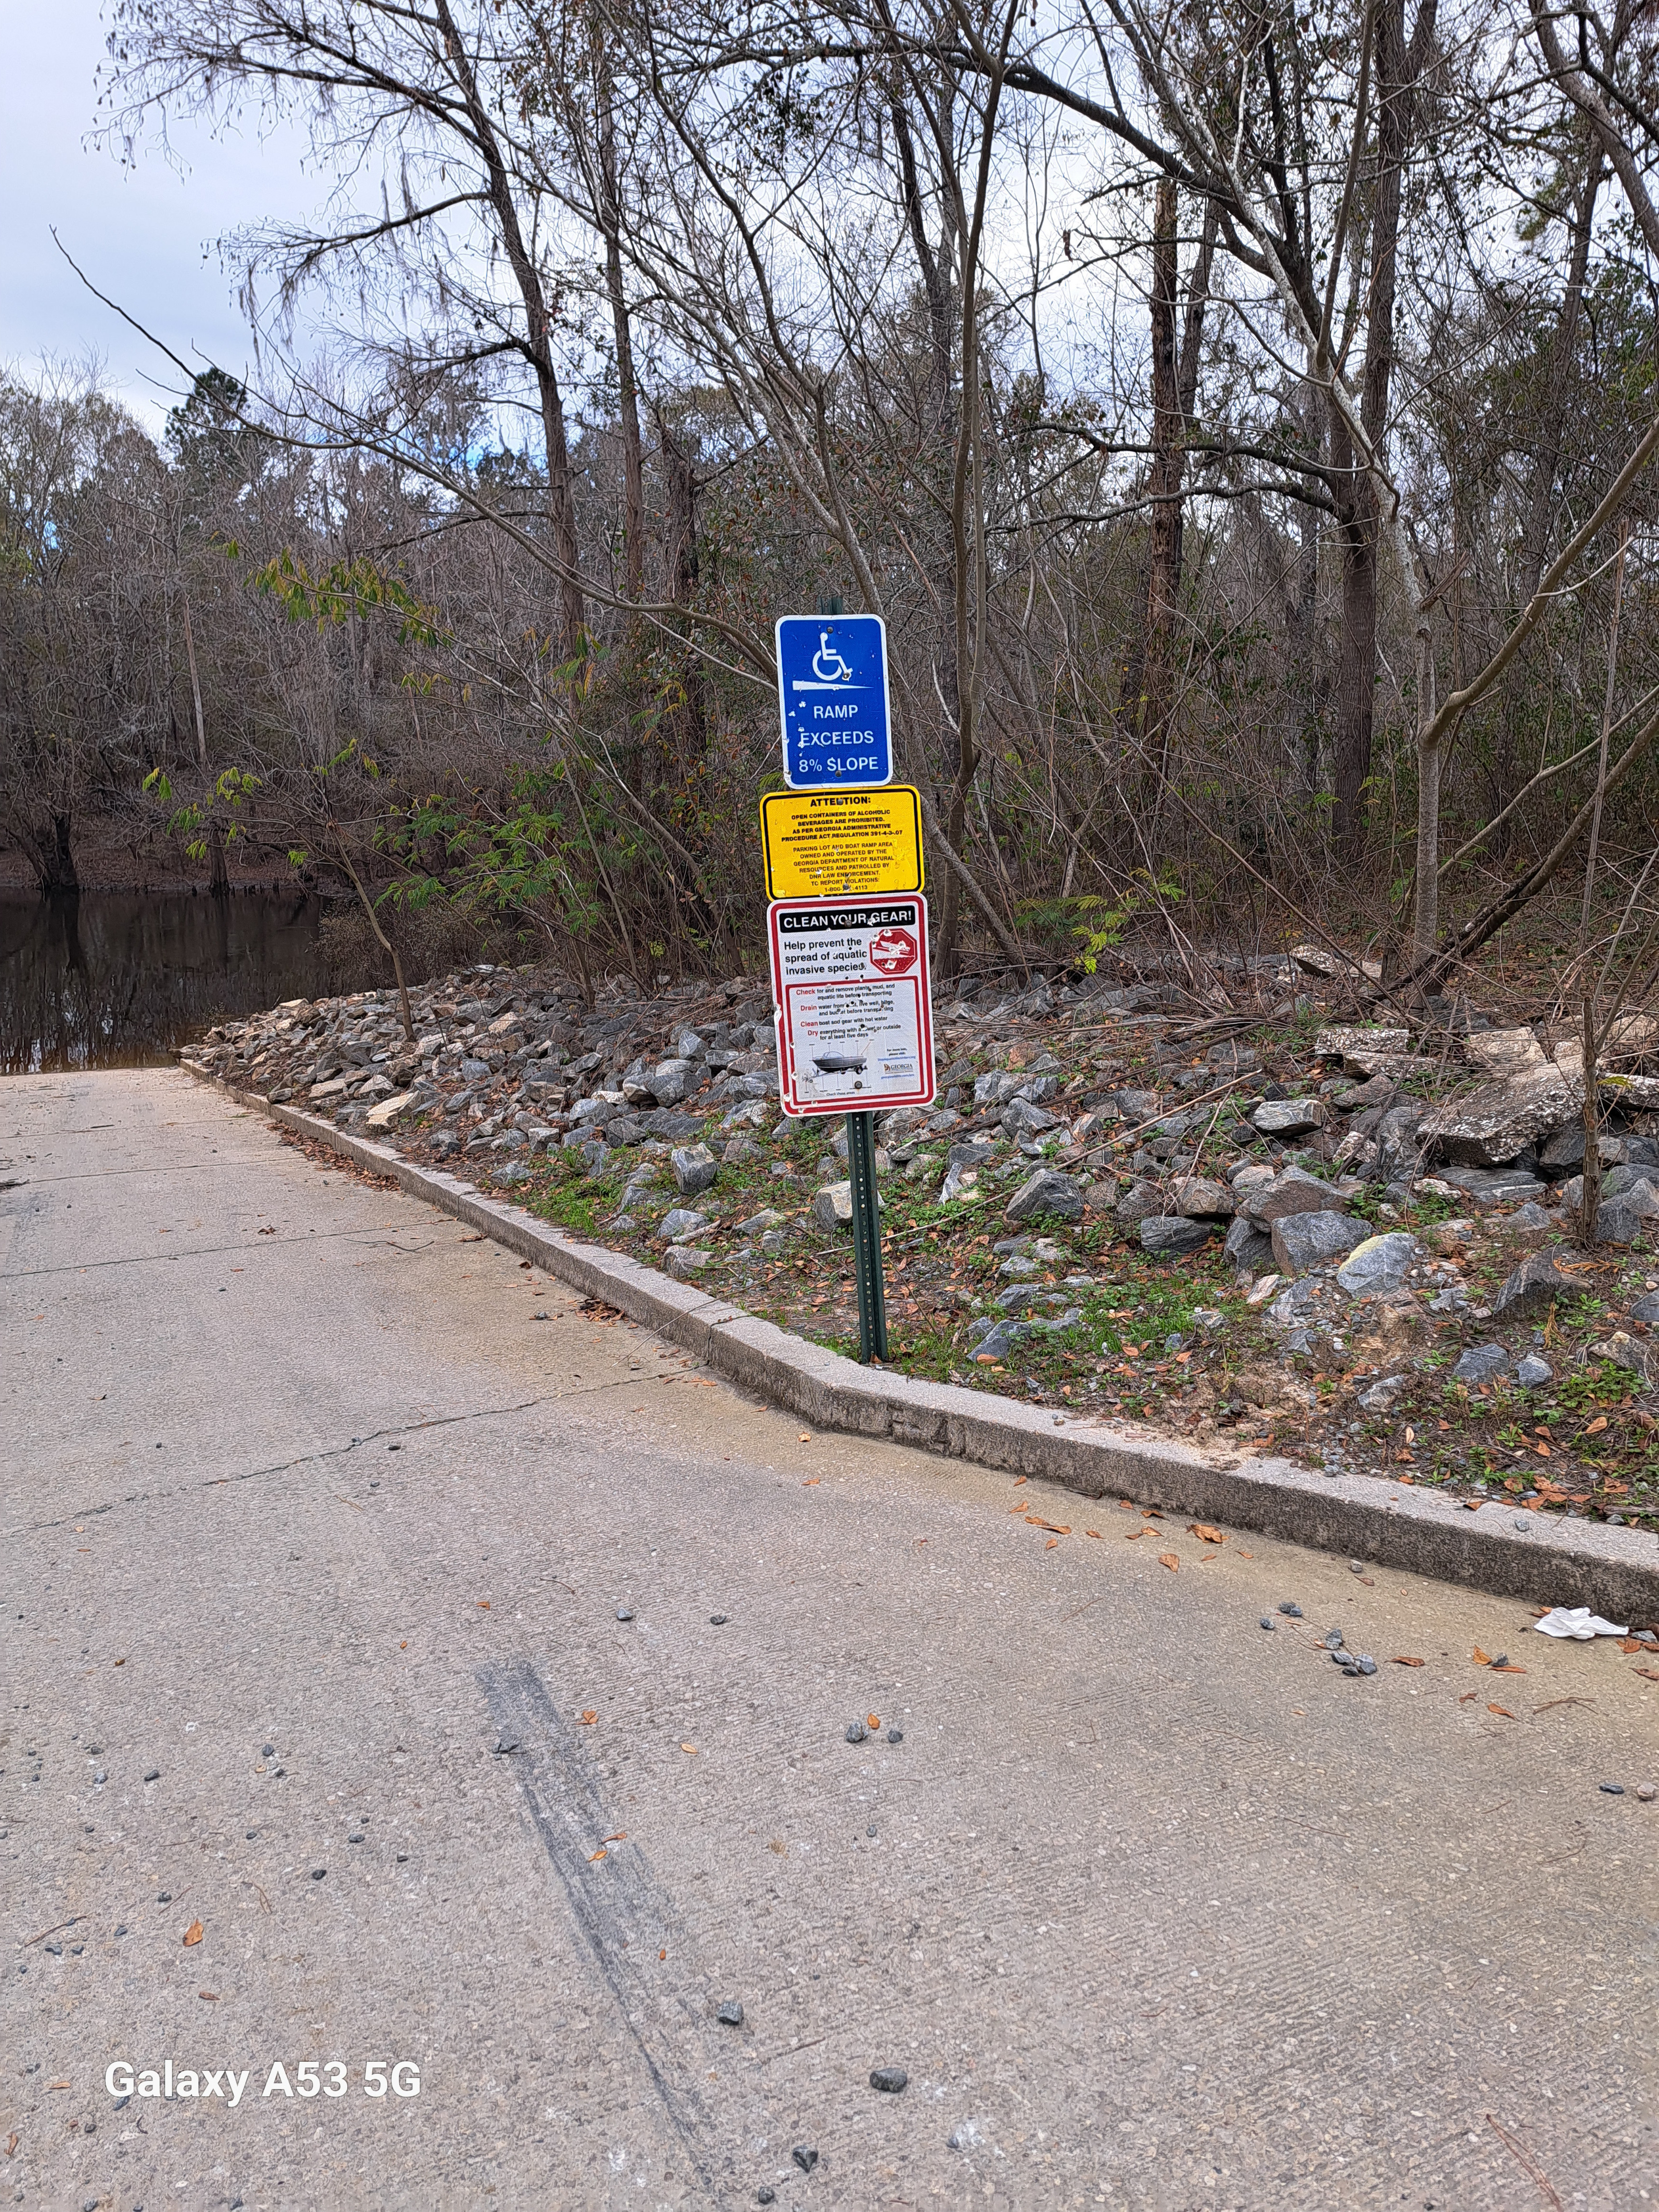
624	1914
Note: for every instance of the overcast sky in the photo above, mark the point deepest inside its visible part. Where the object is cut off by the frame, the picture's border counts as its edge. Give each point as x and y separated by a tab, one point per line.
147	236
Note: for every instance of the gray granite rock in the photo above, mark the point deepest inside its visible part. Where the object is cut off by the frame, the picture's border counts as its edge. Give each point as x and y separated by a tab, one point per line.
1020	1118
1481	1362
1289	1118
1302	1240
1294	1191
832	1207
1047	1192
1533	1372
1247	1247
1378	1265
1172	1233
681	1222
695	1169
1626	1219
1198	1196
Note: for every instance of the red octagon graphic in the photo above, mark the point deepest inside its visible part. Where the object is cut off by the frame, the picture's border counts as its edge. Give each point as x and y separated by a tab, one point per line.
893	951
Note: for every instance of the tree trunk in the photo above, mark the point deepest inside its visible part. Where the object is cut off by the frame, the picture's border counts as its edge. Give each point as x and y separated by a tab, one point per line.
1546	468
59	876
628	404
1163	547
1356	686
1590	1202
218	874
538	346
687	720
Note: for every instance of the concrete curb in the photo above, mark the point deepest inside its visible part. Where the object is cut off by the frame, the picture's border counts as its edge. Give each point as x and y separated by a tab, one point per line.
1497	1548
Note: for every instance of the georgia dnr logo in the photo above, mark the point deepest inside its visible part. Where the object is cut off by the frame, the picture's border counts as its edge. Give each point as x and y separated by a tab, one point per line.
893	952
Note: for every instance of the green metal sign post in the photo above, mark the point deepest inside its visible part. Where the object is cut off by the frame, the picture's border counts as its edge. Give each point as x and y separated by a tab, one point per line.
866	1237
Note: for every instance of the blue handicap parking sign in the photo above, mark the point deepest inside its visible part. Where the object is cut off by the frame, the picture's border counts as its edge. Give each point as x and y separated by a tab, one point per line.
832	686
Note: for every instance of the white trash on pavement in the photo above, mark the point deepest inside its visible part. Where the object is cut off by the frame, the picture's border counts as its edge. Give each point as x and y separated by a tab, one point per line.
1578	1622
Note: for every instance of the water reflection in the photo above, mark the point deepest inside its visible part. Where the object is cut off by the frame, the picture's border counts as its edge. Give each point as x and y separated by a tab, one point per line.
115	978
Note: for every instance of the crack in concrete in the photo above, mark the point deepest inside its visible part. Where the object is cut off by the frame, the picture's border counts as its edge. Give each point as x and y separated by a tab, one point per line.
326	1452
215	1251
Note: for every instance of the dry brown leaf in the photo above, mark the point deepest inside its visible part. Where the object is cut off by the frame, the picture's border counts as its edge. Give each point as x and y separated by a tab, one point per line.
1169	1559
1508	1666
1597	1425
804	1437
589	1717
11	2144
482	1604
691	1748
1480	1657
1093	1532
778	1846
621	1836
1648	1674
1134	1535
600	1854
1206	1534
1502	1711
872	1720
1401	1661
208	1996
1466	1695
813	1482
1629	1643
1050	1543
193	1933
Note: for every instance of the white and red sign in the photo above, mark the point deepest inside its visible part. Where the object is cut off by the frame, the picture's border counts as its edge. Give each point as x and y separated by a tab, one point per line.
855	1022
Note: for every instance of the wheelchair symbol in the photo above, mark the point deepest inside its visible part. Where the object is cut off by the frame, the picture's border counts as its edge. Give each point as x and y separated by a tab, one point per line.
827	664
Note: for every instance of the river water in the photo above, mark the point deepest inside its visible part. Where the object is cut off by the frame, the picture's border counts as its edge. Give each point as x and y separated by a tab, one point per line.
118	979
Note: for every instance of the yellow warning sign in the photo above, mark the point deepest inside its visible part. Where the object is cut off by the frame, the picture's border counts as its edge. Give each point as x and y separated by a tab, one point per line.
827	843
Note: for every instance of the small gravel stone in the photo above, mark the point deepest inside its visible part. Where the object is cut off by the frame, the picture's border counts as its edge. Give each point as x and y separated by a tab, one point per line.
804	2157
1356	1566
154	1775
268	1751
764	2194
317	1872
357	1838
717	1621
730	2013
624	1613
1334	1639
895	1735
890	2080
1533	1372
1614	1788
1367	1664
164	1896
856	1732
1267	1620
1644	1791
1290	1610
